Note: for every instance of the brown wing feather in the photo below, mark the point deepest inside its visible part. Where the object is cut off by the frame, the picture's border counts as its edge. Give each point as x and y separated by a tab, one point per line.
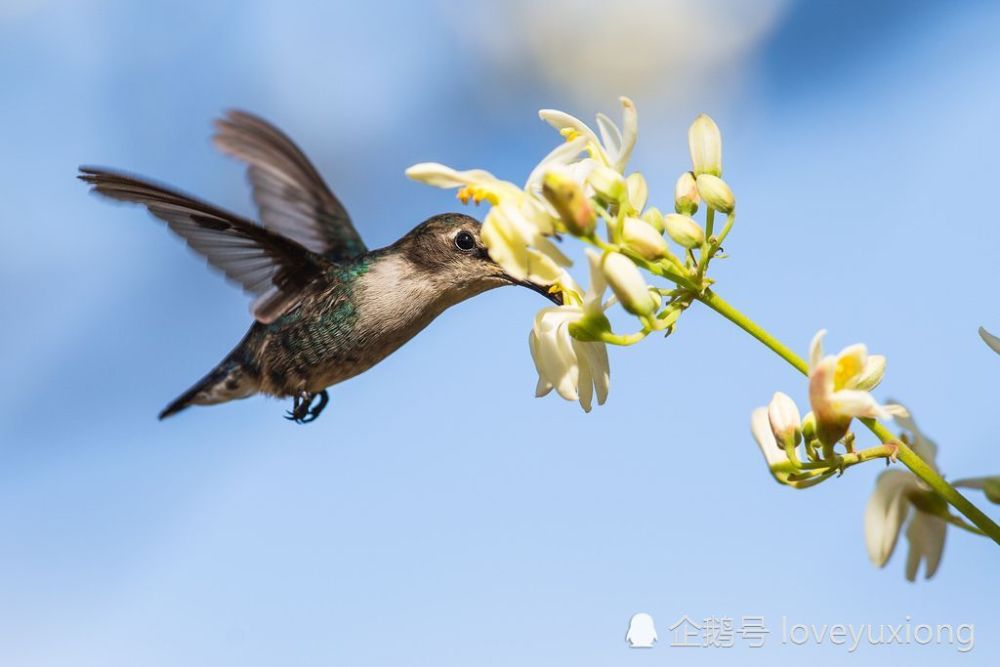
274	268
291	196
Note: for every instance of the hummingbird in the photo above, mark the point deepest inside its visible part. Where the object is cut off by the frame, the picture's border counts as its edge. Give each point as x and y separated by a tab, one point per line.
326	308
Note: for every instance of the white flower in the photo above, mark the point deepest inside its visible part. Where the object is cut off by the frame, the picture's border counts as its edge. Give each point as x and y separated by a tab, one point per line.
614	148
575	369
889	506
516	226
838	388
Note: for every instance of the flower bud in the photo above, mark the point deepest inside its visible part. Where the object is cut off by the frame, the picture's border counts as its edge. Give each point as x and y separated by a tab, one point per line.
716	193
626	282
785	421
643	238
638	191
809	427
569	201
653	217
686	196
705	143
684	230
608	183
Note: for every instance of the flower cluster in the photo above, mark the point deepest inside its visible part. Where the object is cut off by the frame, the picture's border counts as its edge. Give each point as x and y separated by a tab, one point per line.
583	188
800	452
839	391
581	182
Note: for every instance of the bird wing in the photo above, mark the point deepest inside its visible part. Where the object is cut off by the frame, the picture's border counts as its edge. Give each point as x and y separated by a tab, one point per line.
290	194
273	268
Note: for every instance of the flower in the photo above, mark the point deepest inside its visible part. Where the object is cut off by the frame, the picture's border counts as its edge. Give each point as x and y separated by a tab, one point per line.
839	386
576	369
614	148
890	505
705	143
516	226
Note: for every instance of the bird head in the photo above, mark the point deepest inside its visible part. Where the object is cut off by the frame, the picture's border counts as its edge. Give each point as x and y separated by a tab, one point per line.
449	249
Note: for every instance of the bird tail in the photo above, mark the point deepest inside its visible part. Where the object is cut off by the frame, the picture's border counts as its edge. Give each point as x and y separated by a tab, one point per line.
226	382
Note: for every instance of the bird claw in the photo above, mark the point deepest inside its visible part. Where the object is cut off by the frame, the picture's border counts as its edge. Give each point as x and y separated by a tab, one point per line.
303	411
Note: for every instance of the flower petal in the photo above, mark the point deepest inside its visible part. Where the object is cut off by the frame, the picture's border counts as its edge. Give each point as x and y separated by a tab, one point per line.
926	534
885	513
816	348
585	386
857	403
760	426
441	176
611	136
564	121
630	132
992	341
562	155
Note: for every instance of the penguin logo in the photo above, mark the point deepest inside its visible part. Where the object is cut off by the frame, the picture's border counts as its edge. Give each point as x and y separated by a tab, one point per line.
641	631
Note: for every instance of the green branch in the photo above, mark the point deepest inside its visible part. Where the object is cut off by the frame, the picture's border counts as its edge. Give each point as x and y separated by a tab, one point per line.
904	454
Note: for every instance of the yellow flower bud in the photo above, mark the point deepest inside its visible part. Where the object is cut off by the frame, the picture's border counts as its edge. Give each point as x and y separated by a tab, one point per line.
686	196
569	201
626	282
638	191
716	193
643	238
653	217
684	230
705	143
608	183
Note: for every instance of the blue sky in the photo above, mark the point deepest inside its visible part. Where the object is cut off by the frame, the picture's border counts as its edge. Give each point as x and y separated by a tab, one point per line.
438	513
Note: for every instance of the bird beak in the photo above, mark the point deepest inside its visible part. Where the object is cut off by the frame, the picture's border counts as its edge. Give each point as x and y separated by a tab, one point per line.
554	297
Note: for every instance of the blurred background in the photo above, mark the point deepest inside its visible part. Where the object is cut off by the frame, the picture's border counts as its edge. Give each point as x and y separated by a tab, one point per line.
438	514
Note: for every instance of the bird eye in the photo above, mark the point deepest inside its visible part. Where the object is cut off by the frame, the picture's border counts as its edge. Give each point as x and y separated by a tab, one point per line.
465	241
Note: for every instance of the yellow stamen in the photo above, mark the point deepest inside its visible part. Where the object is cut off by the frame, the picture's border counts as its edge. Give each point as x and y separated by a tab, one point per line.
570	133
848	366
476	193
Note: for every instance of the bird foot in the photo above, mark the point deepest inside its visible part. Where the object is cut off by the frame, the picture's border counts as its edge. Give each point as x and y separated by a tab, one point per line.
303	411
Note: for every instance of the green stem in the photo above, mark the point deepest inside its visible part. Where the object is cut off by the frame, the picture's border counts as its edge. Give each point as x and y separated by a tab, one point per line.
837	463
904	454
